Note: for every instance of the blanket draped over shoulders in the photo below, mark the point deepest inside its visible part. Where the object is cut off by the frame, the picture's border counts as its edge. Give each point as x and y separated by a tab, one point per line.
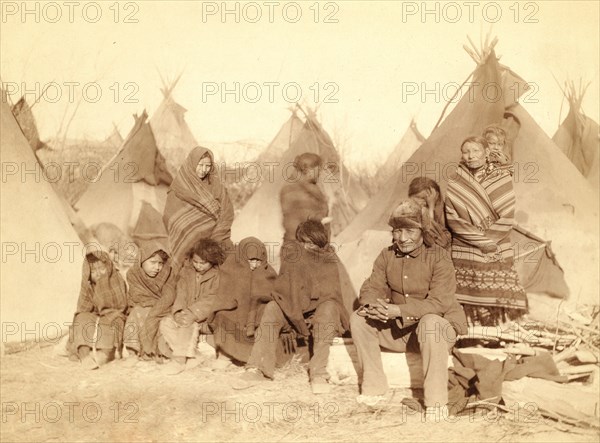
241	296
480	214
156	293
196	208
307	281
301	201
106	297
102	304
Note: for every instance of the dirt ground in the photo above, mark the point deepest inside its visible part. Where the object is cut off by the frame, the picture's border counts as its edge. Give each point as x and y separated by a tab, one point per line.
47	398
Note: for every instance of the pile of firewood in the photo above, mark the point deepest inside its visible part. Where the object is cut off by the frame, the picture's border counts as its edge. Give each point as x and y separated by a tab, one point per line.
573	339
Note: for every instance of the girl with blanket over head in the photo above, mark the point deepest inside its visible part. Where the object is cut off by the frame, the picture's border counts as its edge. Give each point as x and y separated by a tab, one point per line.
480	206
197	286
100	315
245	286
151	294
307	297
197	206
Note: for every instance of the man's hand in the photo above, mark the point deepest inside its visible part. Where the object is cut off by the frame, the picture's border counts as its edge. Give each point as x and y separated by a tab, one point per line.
363	310
184	318
380	311
387	311
369	311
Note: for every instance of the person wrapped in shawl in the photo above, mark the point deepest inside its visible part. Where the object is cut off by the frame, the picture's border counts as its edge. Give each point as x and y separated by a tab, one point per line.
100	316
151	295
426	192
197	286
308	297
246	283
302	200
480	207
198	206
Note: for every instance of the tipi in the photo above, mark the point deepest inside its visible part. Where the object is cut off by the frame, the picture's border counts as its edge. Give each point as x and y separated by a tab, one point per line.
115	138
150	225
287	135
553	199
24	115
407	145
136	173
172	134
243	178
578	136
42	255
345	195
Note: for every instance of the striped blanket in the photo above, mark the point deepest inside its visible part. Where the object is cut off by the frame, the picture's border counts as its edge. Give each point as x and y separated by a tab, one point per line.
480	216
196	208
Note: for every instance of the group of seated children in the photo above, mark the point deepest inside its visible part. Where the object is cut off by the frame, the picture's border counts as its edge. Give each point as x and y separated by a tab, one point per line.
238	299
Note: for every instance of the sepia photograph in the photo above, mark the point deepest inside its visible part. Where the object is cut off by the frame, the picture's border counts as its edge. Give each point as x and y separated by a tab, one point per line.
277	221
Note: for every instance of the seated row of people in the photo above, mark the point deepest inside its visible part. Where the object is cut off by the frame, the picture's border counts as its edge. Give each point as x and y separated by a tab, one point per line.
238	299
409	303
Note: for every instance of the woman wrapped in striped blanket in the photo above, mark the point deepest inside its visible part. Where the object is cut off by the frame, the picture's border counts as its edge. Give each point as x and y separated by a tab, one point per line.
480	206
198	206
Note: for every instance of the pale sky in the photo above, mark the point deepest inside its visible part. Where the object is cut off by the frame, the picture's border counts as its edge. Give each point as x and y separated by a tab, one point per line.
365	60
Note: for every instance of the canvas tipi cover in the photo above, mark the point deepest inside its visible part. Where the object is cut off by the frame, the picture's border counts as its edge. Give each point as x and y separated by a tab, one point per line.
578	136
407	145
41	255
171	132
553	200
437	157
24	115
136	173
150	225
114	139
288	133
251	174
261	216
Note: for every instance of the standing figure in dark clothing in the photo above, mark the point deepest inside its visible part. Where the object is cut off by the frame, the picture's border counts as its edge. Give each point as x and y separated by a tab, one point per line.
302	200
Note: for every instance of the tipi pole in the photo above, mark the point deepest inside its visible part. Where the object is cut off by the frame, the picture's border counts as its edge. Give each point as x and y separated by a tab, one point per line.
450	101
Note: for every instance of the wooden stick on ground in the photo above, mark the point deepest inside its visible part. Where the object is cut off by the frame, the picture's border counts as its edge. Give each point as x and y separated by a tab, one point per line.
585	356
566	354
581	369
